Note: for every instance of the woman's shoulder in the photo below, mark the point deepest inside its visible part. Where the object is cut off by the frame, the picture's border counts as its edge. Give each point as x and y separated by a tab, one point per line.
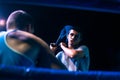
83	47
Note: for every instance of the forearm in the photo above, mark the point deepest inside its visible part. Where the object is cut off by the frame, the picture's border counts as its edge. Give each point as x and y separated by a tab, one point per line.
70	52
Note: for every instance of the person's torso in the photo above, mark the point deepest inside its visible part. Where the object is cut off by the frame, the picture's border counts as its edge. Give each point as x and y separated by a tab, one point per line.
77	63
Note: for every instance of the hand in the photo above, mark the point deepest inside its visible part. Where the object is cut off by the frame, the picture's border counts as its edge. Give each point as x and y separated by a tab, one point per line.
63	44
53	47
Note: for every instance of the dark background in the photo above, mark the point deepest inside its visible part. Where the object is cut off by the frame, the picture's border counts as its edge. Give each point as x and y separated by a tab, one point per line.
100	30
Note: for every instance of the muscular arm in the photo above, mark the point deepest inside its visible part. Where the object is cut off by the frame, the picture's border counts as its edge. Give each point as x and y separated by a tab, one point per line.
72	52
25	36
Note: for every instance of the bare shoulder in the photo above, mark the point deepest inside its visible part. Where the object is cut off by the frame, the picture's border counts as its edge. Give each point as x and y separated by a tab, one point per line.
25	36
18	39
82	47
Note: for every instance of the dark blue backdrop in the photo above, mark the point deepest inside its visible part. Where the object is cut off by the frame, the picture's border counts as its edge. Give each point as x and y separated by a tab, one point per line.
100	29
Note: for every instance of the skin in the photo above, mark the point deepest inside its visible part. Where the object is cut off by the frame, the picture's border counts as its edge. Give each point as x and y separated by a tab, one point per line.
18	40
73	40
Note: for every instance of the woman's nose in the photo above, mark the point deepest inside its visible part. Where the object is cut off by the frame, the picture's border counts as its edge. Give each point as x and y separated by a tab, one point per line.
73	37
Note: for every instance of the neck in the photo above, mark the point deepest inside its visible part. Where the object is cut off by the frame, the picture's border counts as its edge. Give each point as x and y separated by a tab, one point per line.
11	29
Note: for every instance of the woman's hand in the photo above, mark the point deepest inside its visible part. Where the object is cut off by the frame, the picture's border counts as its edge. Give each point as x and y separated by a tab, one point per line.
53	47
63	44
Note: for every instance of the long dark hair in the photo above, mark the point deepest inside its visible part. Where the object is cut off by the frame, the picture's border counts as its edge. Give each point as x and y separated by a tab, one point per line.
64	32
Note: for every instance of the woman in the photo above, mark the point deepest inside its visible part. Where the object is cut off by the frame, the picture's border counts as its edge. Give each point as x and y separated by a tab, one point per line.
73	55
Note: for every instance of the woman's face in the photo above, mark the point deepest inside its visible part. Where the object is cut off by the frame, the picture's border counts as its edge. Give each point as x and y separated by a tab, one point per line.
73	37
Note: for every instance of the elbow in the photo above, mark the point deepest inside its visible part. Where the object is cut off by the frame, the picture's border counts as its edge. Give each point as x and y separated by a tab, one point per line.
76	53
73	54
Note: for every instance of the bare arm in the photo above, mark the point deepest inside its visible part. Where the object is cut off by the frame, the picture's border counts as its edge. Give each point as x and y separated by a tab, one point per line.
70	51
25	35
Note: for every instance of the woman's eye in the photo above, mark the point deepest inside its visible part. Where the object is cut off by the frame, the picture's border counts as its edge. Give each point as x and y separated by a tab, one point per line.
72	34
